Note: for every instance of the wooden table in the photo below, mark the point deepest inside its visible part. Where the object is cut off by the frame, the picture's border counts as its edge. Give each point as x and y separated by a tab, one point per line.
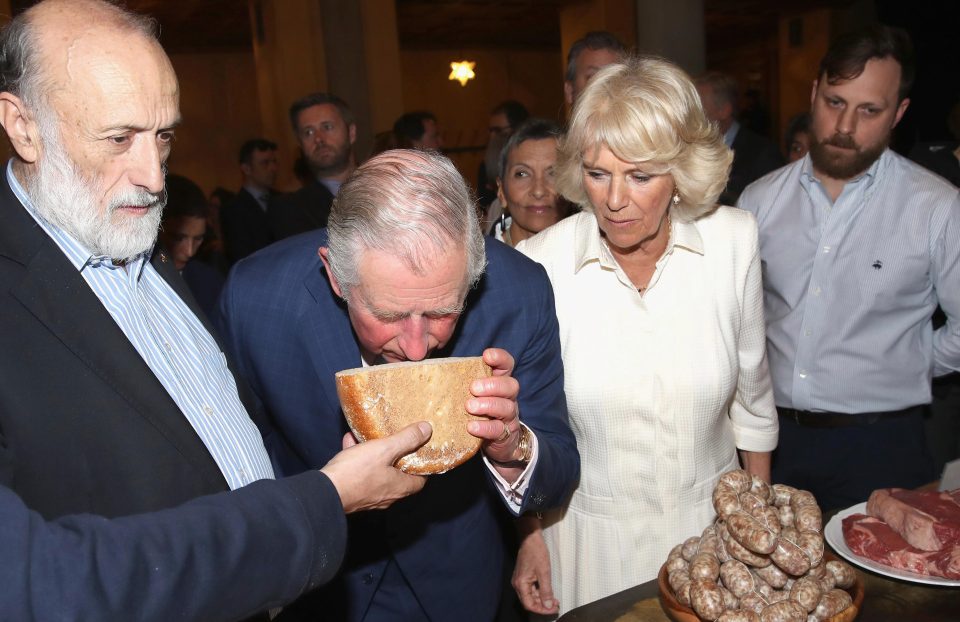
885	600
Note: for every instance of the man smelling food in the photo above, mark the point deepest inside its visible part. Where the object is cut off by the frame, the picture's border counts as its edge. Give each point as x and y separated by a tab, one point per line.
402	274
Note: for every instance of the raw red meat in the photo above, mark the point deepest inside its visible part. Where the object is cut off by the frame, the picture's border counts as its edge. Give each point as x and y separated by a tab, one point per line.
930	518
927	520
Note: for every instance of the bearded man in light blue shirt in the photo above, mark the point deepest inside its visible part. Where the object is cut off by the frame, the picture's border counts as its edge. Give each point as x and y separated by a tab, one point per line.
858	247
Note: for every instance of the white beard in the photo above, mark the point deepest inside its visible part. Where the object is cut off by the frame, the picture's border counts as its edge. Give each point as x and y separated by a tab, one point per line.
64	197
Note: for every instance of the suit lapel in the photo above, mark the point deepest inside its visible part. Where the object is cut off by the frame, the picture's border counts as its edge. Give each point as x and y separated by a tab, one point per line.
333	346
57	295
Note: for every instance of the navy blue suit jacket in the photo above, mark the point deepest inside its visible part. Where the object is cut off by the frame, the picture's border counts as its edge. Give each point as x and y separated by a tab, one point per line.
219	557
291	334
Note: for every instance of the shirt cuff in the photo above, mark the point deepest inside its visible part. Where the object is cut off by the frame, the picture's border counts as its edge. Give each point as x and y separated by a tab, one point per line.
513	493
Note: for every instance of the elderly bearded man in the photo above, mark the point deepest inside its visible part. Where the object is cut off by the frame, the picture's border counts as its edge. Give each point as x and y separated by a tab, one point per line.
399	275
117	400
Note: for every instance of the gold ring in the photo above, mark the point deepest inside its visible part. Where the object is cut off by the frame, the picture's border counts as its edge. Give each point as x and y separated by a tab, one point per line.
504	435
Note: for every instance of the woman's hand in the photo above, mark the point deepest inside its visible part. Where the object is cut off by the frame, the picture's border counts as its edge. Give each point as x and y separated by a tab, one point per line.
756	463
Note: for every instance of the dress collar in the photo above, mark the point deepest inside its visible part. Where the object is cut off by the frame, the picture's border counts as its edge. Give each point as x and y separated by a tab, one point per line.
589	246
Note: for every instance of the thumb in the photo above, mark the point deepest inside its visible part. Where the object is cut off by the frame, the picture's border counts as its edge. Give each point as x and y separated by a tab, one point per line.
546	596
546	591
409	439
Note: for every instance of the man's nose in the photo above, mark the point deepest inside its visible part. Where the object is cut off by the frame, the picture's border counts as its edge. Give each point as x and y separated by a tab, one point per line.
847	121
414	338
146	168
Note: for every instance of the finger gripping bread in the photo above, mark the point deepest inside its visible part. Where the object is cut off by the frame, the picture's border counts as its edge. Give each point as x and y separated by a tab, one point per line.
380	400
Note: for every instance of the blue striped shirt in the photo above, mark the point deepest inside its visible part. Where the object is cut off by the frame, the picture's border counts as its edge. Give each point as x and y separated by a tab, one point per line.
173	342
850	286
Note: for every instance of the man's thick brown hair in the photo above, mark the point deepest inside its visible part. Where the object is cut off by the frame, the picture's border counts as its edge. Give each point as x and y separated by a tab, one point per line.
849	53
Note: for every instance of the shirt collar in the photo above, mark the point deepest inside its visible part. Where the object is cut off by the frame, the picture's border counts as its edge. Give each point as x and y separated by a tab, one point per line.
867	178
731	134
260	194
332	185
77	254
589	246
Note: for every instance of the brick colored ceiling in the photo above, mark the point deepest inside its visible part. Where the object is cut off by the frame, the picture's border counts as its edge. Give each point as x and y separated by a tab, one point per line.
211	25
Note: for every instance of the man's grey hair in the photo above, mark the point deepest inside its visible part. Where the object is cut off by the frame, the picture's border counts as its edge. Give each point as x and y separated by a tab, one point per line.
414	205
21	66
594	40
724	87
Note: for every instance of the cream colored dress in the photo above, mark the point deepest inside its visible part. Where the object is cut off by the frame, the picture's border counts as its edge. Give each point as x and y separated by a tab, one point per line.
662	390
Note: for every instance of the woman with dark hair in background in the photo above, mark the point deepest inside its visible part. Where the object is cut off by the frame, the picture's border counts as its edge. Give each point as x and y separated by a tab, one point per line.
525	184
797	137
182	232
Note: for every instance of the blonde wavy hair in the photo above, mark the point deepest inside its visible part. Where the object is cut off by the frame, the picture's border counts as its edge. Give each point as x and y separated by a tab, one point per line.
646	110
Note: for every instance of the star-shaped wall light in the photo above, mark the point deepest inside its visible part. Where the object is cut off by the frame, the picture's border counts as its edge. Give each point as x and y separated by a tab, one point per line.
462	71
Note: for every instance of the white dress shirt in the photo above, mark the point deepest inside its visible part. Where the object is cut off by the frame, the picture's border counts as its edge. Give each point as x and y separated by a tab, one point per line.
662	388
850	286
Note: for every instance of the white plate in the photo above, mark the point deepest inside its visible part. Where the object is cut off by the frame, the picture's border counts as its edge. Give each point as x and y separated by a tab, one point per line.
834	536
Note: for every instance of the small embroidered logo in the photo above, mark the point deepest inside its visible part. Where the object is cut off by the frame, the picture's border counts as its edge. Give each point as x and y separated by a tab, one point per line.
877	264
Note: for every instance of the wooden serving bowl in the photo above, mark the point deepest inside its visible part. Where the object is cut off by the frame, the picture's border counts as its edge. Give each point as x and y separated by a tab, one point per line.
681	613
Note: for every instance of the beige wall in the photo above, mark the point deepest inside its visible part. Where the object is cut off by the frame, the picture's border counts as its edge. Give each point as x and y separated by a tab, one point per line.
531	77
220	110
754	65
799	63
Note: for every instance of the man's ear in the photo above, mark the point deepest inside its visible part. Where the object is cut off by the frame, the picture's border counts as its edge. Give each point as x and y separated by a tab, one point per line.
246	169
901	108
323	251
568	92
813	94
353	133
21	128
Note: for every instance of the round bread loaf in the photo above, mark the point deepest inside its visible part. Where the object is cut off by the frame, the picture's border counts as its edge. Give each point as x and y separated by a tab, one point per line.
383	399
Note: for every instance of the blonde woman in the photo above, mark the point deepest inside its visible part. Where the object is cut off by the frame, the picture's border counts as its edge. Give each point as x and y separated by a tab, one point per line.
660	305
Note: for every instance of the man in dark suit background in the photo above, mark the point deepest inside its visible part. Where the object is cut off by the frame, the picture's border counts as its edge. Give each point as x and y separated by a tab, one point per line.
400	275
244	221
753	155
418	130
326	131
117	399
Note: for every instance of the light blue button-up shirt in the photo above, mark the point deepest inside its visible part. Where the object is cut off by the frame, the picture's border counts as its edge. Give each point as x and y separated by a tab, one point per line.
850	286
173	342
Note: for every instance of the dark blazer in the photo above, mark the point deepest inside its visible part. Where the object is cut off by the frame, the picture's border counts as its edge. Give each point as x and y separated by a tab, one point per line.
205	283
290	334
305	210
85	426
245	227
221	557
753	157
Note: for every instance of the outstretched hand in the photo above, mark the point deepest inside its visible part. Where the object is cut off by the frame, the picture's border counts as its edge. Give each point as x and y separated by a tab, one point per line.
364	475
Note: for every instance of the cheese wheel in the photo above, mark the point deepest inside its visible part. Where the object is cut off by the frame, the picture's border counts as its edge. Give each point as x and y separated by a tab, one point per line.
380	400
